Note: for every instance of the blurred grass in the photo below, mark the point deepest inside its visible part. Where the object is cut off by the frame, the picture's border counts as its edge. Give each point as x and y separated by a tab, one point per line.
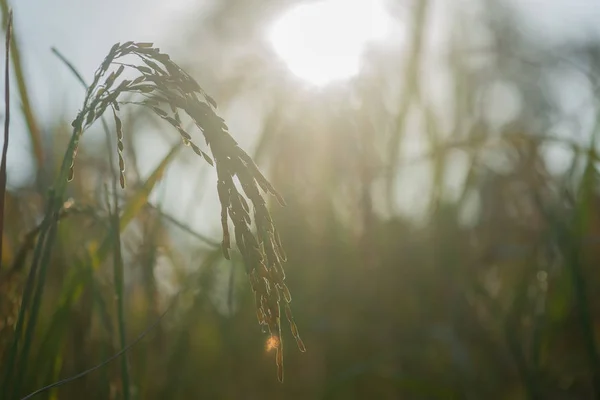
503	304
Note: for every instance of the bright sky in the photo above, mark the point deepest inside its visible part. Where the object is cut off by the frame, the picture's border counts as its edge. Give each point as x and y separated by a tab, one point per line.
84	30
560	21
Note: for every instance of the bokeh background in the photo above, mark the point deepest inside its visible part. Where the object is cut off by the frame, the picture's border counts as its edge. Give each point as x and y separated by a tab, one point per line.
441	225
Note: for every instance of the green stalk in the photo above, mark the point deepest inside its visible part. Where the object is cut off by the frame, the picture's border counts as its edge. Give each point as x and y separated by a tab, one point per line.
30	118
6	128
35	308
27	293
119	293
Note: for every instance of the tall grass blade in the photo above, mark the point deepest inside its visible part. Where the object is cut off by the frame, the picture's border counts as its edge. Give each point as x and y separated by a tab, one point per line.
70	66
30	118
6	128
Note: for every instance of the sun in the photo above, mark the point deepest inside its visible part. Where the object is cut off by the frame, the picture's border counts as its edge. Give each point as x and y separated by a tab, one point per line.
323	41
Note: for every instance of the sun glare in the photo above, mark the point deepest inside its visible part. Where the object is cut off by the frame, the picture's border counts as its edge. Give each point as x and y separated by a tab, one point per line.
323	41
272	343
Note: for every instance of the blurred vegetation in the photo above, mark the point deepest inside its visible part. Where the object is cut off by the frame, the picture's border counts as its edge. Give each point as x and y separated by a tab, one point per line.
439	245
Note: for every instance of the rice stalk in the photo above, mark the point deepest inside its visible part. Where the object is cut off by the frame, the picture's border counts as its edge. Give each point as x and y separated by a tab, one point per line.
119	282
6	127
28	114
165	89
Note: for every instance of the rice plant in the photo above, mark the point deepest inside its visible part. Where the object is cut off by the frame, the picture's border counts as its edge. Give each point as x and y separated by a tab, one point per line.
163	87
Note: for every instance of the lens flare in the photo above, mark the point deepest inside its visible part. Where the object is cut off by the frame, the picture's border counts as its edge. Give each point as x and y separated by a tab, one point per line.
272	343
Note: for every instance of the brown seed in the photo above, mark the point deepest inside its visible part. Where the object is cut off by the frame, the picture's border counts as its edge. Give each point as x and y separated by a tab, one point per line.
294	328
279	356
286	294
300	344
225	249
288	313
261	316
